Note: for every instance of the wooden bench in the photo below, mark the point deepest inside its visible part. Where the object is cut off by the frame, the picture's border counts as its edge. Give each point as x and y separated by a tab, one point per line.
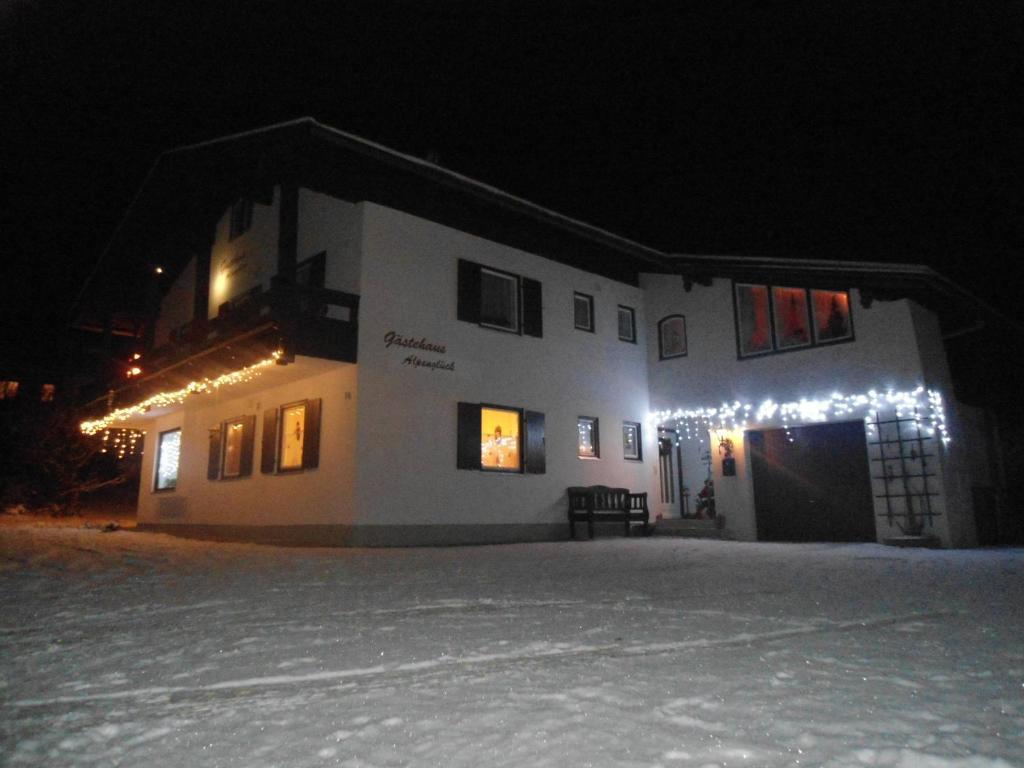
603	504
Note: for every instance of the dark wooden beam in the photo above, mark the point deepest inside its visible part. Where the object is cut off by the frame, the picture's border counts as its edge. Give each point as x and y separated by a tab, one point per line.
689	280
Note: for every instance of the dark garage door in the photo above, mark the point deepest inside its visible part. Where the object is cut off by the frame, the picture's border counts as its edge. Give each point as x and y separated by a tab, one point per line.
815	487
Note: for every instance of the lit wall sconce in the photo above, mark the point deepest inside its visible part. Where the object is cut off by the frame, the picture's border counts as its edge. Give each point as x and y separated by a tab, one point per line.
725	449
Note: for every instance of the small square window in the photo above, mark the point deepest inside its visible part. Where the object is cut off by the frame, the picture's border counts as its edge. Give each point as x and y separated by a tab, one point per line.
293	424
8	389
671	337
241	218
499	300
47	392
588	446
627	324
583	312
499	439
631	441
167	454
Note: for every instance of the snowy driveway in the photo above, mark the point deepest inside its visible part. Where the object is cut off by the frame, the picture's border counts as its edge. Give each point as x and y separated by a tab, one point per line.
134	649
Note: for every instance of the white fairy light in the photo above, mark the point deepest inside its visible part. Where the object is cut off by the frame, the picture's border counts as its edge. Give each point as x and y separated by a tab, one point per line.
927	405
163	399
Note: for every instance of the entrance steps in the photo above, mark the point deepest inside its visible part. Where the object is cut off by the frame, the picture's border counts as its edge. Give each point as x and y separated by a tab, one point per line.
688	527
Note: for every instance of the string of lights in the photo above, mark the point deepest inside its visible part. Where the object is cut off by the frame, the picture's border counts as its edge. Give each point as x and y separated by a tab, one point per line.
925	406
163	399
122	442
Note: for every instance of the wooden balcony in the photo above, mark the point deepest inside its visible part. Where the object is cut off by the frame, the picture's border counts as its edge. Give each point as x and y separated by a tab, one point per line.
290	319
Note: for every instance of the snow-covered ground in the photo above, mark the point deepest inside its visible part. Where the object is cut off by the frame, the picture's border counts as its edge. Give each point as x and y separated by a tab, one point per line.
143	650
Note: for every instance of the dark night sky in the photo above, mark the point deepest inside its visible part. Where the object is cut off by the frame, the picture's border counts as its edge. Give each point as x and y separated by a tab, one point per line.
882	131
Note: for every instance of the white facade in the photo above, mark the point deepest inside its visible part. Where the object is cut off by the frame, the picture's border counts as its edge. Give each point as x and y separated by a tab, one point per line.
387	471
407	469
317	497
897	346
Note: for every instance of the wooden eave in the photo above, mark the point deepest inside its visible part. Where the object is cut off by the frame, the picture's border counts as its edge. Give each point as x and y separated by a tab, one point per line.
188	189
287	320
959	310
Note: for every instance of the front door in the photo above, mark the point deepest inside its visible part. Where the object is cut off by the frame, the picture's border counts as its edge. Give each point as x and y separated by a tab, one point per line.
670	471
812	483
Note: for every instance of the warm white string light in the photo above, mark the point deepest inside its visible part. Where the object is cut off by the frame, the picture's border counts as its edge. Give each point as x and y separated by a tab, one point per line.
122	442
163	399
927	406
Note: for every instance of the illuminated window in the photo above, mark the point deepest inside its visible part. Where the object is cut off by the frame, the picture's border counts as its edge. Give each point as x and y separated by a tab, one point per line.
291	437
831	316
631	448
499	439
233	448
789	317
777	319
8	389
499	300
587	446
293	424
167	454
583	312
241	218
47	393
627	324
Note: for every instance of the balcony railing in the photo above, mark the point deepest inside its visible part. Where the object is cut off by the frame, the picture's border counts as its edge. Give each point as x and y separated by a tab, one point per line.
317	321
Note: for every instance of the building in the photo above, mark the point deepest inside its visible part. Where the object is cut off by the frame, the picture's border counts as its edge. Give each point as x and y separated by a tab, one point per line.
353	346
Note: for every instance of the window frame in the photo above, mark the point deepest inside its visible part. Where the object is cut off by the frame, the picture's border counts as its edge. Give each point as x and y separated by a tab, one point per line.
281	435
157	488
216	458
517	295
631	314
273	426
775	348
661	340
814	321
528	297
532	442
595	437
637	441
225	430
521	436
590	327
774	317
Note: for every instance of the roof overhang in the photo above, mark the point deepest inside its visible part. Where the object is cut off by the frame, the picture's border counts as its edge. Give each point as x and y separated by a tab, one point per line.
187	190
959	310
